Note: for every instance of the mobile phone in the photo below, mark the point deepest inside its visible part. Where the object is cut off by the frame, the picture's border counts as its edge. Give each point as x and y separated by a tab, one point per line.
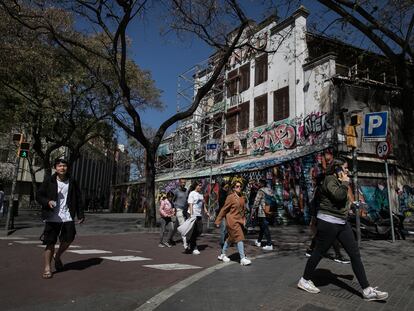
338	170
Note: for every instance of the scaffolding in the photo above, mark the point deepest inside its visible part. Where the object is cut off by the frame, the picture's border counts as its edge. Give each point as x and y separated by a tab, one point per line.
185	148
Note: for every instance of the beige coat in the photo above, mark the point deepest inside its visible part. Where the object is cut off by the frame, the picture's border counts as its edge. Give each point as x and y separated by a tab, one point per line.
234	211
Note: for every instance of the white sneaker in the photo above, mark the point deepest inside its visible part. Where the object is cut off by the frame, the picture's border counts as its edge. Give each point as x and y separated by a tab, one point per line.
185	245
308	286
223	258
196	252
257	243
245	262
371	293
267	248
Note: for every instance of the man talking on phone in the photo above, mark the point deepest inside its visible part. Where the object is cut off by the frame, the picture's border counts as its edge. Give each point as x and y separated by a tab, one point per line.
60	198
332	225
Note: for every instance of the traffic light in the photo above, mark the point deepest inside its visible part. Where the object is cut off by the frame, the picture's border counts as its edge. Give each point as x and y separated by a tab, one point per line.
351	136
23	151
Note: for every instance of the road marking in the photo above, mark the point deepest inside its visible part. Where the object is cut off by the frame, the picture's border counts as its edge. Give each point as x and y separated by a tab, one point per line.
132	251
126	258
172	266
11	238
89	251
27	242
57	245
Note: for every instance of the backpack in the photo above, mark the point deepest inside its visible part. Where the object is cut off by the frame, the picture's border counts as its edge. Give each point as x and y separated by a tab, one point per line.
270	204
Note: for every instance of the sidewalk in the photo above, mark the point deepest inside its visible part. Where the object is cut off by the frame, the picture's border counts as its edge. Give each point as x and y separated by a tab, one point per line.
270	282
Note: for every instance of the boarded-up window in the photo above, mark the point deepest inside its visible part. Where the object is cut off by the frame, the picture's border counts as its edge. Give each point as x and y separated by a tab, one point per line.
260	74
244	73
244	116
232	78
231	122
281	104
260	110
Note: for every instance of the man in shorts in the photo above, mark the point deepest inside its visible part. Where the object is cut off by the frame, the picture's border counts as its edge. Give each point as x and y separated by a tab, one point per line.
60	198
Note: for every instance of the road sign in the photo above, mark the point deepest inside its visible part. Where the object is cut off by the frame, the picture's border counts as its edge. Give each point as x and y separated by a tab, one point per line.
383	149
212	149
375	127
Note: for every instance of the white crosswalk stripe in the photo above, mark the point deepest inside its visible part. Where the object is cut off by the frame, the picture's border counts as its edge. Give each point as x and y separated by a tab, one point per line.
172	266
89	251
125	258
11	238
57	246
27	242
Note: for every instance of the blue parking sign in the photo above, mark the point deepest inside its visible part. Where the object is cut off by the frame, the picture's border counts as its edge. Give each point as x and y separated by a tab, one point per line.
375	126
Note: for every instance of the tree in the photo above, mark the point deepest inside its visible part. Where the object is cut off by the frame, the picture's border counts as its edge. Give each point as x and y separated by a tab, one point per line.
221	24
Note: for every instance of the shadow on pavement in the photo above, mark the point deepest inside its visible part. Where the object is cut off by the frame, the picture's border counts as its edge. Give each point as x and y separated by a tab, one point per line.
82	264
323	277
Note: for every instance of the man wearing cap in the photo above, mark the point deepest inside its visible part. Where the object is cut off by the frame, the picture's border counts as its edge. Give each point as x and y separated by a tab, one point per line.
60	198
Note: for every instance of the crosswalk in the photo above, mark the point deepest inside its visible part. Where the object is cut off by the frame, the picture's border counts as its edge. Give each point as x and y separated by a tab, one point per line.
107	254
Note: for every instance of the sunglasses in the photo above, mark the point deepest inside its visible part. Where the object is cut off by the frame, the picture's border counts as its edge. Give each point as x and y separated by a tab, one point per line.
237	186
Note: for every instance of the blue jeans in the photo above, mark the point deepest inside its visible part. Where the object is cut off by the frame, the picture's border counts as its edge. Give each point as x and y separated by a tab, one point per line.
223	232
264	230
240	248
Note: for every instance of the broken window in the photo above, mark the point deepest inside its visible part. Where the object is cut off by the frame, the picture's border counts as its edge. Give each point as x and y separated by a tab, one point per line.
260	110
244	116
244	73
260	74
232	78
281	104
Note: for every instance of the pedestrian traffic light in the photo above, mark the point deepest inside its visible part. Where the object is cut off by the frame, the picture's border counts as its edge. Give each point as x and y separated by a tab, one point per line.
23	151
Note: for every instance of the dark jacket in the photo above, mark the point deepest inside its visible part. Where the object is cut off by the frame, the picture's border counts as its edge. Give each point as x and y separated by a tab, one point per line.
334	197
48	191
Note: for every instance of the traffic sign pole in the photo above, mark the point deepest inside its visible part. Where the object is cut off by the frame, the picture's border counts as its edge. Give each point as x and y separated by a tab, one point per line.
389	200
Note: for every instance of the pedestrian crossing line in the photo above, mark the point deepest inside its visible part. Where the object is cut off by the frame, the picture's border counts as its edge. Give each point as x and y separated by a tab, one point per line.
172	266
12	238
27	242
132	251
89	251
125	258
57	245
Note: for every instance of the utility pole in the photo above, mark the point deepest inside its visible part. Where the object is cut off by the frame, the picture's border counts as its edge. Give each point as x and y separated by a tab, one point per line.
17	138
351	142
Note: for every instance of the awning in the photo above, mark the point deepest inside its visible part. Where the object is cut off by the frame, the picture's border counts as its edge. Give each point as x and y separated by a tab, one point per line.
253	164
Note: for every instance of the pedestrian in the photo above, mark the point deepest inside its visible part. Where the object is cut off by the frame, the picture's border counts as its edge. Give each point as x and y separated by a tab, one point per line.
196	205
167	212
332	224
313	210
224	188
60	199
180	196
265	196
234	210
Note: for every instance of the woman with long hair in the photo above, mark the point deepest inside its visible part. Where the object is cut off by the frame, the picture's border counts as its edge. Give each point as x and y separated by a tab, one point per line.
332	225
234	210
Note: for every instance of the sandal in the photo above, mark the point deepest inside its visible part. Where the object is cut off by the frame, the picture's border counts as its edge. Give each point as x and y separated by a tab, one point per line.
47	274
58	265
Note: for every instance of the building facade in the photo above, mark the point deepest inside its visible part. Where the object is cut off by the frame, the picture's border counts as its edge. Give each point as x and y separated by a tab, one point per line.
282	114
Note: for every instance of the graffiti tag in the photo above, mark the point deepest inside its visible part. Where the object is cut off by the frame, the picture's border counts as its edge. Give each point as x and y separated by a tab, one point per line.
316	124
282	136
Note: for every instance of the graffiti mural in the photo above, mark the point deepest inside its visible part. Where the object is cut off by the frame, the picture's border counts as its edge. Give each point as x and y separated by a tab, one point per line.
315	124
277	136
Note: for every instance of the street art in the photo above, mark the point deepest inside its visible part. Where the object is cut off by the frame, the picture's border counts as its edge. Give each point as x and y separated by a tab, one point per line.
275	137
290	133
406	200
315	124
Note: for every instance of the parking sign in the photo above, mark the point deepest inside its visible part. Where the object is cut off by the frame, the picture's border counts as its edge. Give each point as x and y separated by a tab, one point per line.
375	126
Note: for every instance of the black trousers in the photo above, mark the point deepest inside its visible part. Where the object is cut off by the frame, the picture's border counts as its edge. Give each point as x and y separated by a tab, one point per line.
325	236
197	231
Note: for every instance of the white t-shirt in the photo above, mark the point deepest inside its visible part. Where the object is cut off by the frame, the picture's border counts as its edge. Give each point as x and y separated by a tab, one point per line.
61	211
197	200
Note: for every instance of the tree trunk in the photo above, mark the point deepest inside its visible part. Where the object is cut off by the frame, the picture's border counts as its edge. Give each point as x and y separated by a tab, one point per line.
150	215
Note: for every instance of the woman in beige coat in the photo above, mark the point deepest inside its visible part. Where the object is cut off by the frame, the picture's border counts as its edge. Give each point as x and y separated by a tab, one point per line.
234	211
